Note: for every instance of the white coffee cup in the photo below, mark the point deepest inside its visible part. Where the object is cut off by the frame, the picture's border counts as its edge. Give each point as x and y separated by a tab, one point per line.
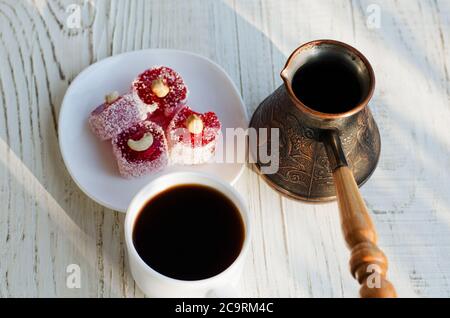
155	284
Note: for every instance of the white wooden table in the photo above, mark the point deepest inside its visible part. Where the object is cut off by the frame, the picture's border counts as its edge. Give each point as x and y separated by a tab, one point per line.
47	223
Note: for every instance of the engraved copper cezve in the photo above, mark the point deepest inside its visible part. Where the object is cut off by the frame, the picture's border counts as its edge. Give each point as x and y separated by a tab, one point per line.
304	172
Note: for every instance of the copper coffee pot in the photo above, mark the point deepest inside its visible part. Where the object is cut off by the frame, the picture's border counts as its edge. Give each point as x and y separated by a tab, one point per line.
325	155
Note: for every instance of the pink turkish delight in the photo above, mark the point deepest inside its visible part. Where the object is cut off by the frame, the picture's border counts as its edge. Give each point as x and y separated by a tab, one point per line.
116	114
140	150
160	88
192	136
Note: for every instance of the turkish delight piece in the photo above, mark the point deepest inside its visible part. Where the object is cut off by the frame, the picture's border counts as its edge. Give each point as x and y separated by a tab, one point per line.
141	150
115	114
192	136
160	88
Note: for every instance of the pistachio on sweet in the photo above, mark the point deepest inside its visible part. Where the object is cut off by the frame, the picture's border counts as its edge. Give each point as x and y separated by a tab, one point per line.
142	144
111	97
194	124
160	88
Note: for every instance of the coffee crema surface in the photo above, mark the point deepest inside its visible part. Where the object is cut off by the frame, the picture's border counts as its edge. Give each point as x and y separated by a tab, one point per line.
189	232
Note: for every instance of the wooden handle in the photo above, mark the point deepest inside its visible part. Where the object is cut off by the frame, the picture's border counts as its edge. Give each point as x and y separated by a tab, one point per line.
368	264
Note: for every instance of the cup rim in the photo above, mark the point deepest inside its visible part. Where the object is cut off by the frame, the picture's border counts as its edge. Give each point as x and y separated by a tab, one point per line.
236	199
315	113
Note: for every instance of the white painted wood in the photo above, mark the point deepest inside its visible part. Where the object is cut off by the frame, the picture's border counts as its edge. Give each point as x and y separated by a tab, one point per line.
46	223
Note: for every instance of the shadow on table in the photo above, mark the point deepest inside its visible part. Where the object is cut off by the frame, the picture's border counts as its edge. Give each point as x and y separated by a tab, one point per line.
101	233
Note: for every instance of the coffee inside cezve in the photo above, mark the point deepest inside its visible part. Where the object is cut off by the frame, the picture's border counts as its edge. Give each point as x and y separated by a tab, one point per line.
328	85
189	232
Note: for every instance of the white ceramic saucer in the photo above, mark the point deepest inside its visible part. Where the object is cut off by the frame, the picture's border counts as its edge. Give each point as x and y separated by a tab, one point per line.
90	161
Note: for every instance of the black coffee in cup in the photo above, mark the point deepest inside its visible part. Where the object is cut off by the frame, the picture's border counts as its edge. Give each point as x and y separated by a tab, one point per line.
328	84
189	232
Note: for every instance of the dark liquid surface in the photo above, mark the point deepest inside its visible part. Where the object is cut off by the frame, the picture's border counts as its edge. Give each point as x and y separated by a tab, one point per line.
328	85
189	232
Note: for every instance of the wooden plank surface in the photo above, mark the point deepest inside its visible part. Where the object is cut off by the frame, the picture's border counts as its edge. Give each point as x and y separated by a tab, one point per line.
46	223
